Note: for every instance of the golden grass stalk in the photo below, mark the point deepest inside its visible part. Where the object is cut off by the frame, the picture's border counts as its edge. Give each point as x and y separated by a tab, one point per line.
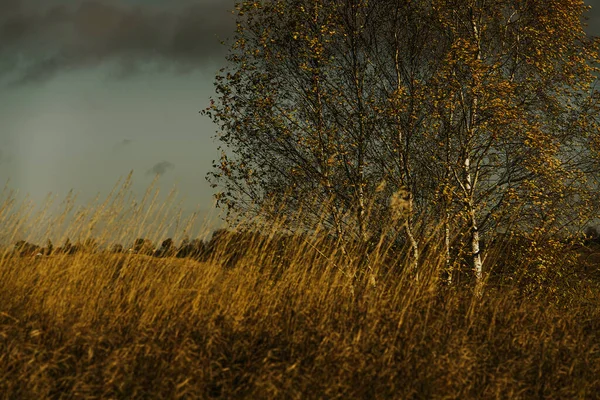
276	315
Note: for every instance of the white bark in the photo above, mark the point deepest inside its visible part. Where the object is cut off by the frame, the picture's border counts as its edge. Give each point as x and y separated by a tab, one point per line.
447	248
415	248
475	245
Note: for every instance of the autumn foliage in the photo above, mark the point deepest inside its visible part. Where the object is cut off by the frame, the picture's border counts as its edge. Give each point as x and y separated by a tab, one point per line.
483	112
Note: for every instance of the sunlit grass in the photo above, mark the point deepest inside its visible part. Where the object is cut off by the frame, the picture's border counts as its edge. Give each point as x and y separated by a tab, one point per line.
276	316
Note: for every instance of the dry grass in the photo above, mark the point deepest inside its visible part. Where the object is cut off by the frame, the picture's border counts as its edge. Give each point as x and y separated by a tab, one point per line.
291	323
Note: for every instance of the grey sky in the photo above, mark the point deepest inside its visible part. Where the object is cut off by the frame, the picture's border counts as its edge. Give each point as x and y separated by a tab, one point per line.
594	17
91	89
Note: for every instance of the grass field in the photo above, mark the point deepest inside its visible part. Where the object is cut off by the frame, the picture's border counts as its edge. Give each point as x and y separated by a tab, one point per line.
290	322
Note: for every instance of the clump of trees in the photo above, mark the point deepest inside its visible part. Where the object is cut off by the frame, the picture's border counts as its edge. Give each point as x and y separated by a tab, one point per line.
361	115
143	246
167	249
23	248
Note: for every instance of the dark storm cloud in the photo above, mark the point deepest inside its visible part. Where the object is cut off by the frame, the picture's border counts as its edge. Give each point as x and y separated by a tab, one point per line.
37	42
160	168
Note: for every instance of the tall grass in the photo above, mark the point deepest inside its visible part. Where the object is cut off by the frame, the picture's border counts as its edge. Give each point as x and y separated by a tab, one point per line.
275	316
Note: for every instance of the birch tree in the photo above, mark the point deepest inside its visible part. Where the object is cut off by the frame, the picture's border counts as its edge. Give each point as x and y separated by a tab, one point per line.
482	111
511	98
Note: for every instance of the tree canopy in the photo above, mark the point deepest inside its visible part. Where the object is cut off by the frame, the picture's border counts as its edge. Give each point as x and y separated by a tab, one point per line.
481	113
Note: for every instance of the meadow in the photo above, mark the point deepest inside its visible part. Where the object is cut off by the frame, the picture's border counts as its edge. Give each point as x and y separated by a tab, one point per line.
276	316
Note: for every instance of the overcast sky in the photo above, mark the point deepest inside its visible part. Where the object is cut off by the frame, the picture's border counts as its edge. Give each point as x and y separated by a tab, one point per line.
91	89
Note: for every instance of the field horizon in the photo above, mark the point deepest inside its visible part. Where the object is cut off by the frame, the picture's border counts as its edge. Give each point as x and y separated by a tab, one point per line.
267	315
